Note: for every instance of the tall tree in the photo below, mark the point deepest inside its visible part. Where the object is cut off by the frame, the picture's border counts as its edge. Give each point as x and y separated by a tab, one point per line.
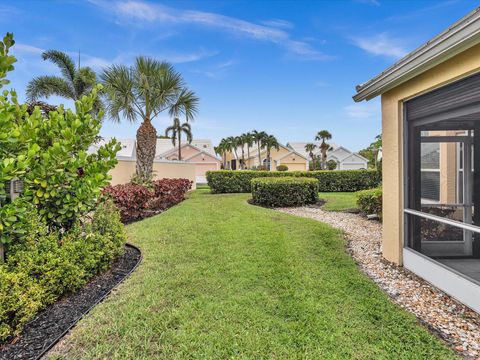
223	148
310	148
270	142
75	81
143	91
175	133
241	142
248	140
258	136
324	135
371	152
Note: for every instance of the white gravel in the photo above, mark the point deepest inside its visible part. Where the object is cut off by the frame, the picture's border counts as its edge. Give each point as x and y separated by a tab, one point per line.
452	321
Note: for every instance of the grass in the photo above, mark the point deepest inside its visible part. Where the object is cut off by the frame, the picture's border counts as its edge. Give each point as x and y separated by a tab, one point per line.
339	201
222	279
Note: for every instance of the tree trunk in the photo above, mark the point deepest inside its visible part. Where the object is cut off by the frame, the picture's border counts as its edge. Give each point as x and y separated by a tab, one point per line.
243	159
179	147
268	165
146	146
248	152
259	156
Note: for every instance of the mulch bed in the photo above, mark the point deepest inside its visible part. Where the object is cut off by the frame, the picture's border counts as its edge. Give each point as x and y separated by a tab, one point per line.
40	334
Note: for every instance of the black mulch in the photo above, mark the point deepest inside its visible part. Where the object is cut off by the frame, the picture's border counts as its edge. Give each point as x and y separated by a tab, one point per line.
51	324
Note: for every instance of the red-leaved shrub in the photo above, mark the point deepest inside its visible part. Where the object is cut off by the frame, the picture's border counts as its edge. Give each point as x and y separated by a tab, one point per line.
136	202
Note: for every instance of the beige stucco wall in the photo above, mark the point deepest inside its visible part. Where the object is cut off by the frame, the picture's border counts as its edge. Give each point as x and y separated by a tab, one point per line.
122	173
294	162
455	68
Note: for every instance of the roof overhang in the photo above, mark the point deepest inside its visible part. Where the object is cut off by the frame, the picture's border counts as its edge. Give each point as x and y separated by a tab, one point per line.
462	35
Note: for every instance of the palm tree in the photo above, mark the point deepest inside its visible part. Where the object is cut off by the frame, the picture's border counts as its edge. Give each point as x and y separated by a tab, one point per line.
74	83
248	140
310	148
232	144
258	136
324	135
241	142
175	132
143	91
270	142
222	149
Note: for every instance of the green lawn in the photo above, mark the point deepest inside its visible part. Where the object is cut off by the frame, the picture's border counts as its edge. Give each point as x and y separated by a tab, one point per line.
222	279
339	201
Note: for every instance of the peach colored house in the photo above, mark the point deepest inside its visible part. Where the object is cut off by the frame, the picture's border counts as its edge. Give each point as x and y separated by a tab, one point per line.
199	153
430	103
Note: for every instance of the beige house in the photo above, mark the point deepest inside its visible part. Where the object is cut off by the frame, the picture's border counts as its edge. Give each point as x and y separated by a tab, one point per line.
283	156
431	159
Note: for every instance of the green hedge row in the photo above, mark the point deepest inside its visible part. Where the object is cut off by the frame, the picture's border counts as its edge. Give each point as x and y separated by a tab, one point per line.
238	181
370	201
284	191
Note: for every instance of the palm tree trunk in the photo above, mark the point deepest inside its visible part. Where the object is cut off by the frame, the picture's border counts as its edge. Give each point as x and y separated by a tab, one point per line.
243	158
146	146
268	159
179	146
259	157
248	152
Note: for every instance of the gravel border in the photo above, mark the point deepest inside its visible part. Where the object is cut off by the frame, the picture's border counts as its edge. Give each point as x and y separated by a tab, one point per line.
452	321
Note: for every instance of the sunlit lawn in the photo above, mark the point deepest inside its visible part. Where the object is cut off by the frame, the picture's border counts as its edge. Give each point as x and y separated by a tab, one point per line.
222	279
338	201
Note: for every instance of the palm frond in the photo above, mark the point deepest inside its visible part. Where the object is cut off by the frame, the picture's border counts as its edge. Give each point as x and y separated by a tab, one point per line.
85	79
186	104
120	93
46	86
63	61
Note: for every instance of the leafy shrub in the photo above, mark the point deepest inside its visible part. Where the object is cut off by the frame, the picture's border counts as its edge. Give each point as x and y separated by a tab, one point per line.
331	164
282	167
136	201
238	181
130	199
284	191
370	201
45	264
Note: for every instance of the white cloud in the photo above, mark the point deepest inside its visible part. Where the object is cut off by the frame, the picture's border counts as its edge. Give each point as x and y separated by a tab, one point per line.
278	23
381	44
140	12
364	110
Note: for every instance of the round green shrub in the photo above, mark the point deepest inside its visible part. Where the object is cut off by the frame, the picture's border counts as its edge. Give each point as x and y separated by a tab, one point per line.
284	191
282	167
370	201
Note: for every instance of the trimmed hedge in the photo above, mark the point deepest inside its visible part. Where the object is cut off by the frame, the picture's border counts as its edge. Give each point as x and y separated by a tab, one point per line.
284	191
238	181
370	201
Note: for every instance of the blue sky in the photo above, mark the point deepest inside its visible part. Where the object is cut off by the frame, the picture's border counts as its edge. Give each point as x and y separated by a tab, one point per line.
285	67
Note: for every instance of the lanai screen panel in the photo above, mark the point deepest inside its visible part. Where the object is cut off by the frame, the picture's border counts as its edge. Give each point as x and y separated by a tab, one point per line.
442	145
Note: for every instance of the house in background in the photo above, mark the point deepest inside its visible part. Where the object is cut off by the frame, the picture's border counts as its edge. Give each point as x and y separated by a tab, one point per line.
431	159
345	159
283	156
199	152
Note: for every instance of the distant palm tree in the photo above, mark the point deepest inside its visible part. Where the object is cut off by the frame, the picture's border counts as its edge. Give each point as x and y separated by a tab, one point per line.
324	135
143	91
240	140
270	142
175	132
223	148
231	141
248	140
74	83
258	136
310	148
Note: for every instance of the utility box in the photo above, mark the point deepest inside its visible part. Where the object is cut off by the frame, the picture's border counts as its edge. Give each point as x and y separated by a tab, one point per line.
13	188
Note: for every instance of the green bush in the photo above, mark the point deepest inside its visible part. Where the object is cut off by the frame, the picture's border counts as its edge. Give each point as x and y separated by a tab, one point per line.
46	264
238	181
370	201
282	167
284	191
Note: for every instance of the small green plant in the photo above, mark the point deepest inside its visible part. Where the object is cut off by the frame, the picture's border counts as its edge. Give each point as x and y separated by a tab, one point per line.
282	167
284	191
331	165
370	201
